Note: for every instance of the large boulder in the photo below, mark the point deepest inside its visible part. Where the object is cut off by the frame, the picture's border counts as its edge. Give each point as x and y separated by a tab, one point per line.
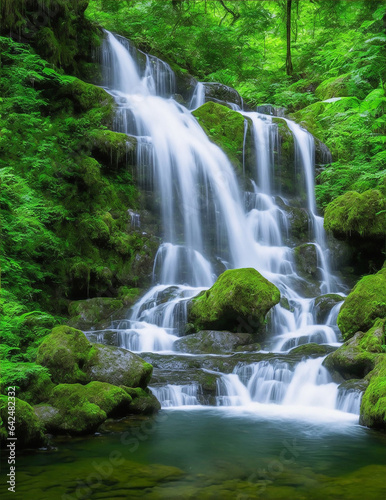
213	342
365	303
29	431
80	409
237	302
356	357
373	406
71	359
64	352
118	366
354	214
225	128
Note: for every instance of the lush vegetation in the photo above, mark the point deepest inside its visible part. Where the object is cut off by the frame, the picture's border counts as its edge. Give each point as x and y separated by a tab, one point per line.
243	45
66	185
63	213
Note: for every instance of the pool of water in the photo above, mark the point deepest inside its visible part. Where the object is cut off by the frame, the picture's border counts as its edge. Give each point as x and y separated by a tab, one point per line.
219	453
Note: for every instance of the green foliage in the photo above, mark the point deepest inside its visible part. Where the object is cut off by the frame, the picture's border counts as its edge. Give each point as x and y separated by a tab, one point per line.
62	211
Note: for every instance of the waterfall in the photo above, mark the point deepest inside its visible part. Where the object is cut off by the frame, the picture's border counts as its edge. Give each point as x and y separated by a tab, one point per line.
206	219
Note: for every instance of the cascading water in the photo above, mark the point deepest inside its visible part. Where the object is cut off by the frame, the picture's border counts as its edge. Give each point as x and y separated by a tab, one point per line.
206	219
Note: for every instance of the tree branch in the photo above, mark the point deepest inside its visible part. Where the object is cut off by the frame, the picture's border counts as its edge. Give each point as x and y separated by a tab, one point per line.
234	14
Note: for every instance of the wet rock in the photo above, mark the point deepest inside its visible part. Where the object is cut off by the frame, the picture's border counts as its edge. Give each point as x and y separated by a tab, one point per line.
212	342
306	259
222	92
323	305
237	302
286	179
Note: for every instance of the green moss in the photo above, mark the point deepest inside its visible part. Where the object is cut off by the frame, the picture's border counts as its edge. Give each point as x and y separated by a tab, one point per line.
373	406
29	430
112	148
87	313
64	352
225	128
143	401
72	410
365	303
86	96
356	357
309	350
357	214
33	381
238	301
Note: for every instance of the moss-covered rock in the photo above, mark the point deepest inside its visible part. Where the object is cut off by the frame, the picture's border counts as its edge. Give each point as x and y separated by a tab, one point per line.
143	401
71	359
356	357
64	352
118	367
90	313
360	214
225	128
29	431
323	305
311	350
80	409
373	406
112	149
238	301
365	303
212	342
86	96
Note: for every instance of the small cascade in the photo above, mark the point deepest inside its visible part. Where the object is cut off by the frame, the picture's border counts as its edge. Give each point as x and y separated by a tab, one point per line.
198	97
308	384
349	400
177	395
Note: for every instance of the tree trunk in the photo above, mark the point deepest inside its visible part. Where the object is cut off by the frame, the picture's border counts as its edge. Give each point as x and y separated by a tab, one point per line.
288	63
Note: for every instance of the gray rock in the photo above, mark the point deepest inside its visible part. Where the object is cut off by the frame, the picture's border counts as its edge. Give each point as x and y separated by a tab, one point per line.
212	342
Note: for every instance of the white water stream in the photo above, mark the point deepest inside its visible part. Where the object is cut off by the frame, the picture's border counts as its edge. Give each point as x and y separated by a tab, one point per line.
207	219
